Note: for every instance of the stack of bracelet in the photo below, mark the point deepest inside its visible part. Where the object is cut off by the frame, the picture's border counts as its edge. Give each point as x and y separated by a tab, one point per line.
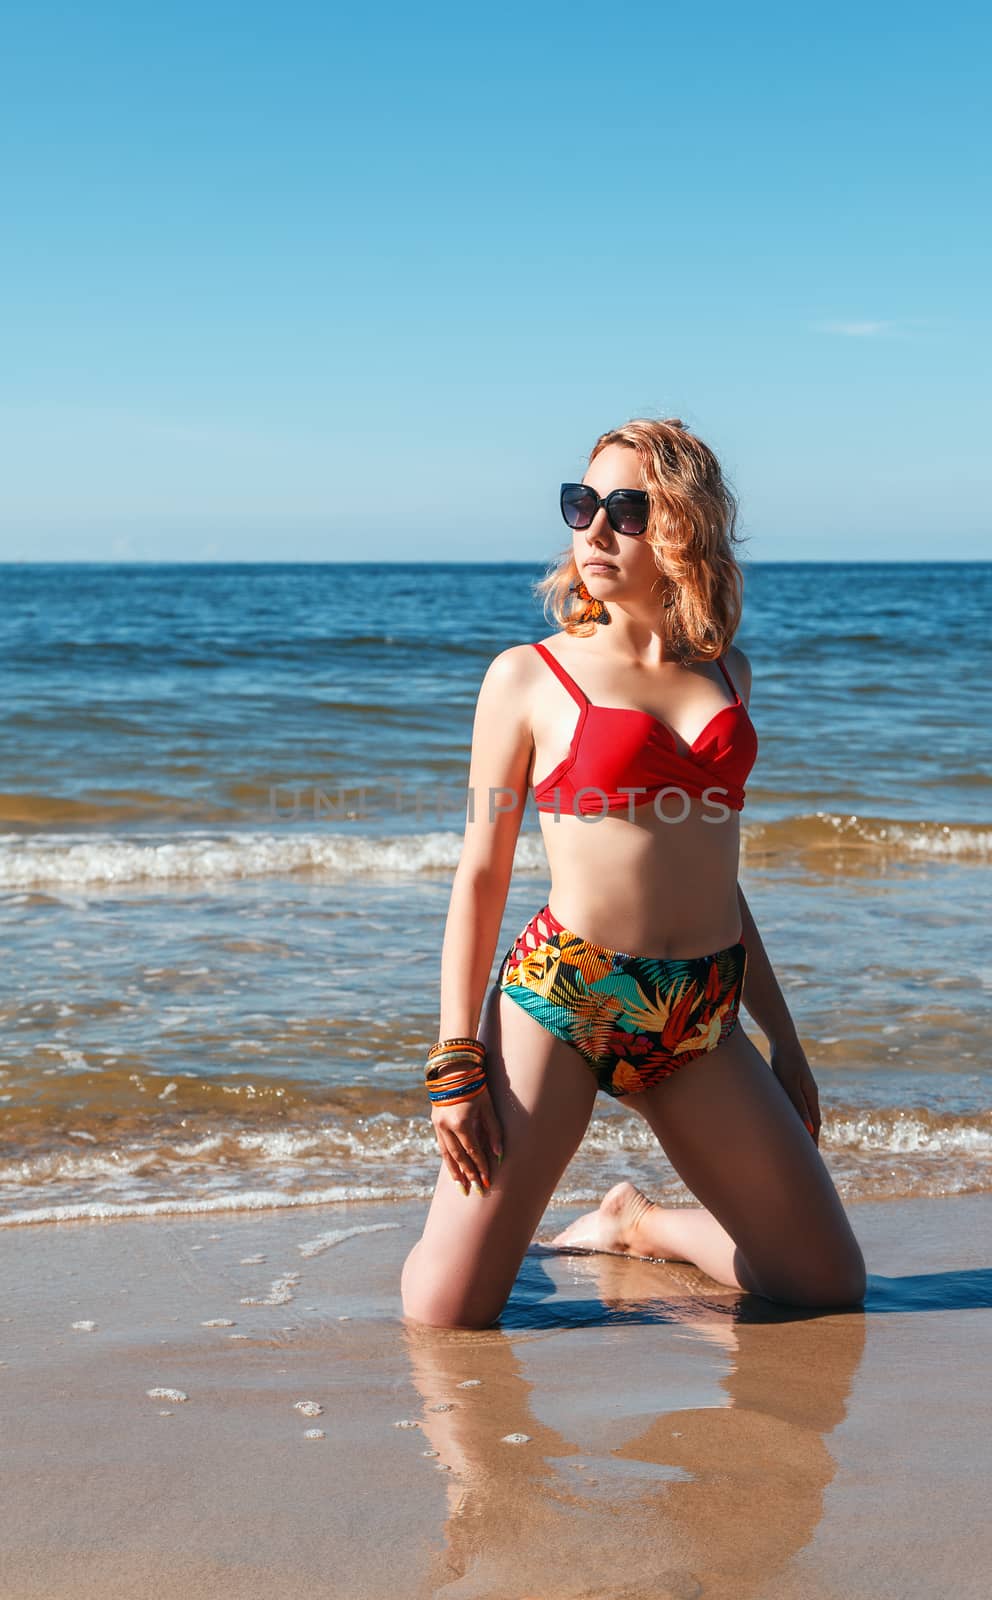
455	1070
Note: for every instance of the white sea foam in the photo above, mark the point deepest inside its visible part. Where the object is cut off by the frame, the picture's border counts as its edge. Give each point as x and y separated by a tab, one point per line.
56	860
65	860
903	1133
244	1200
371	1146
888	837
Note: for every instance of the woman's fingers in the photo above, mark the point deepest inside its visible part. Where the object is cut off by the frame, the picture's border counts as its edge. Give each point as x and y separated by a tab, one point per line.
473	1160
812	1099
808	1121
451	1162
798	1098
459	1147
465	1148
790	1066
492	1133
802	1092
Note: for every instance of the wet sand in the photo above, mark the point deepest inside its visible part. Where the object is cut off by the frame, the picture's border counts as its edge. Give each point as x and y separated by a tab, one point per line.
681	1439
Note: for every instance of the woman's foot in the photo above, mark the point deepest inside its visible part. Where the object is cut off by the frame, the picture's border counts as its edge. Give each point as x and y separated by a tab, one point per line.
616	1227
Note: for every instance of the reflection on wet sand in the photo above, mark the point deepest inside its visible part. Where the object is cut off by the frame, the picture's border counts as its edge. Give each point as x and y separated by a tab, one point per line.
715	1499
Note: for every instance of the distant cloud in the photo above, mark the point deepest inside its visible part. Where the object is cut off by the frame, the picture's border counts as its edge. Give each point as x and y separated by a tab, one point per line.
856	330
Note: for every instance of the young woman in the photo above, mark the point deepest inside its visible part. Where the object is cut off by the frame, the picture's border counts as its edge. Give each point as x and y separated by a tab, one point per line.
632	724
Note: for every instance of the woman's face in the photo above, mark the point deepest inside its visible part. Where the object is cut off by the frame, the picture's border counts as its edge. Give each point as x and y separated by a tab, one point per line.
629	568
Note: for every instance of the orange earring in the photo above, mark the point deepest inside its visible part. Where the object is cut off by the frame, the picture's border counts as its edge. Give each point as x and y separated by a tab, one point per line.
593	610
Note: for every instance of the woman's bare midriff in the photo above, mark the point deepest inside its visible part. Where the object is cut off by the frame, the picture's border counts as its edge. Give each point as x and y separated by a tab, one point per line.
647	887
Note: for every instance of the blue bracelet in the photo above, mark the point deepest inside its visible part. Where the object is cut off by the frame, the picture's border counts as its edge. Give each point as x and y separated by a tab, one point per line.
459	1092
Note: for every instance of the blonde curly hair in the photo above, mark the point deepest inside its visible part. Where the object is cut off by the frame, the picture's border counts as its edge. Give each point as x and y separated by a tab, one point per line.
692	529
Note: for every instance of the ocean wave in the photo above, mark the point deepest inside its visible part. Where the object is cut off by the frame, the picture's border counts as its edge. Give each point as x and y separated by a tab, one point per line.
209	1204
910	1133
64	861
820	834
584	1185
399	1141
62	1174
56	860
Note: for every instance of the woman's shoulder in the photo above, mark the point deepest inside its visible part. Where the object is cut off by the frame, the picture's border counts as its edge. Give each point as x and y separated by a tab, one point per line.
509	688
518	672
522	655
513	666
739	667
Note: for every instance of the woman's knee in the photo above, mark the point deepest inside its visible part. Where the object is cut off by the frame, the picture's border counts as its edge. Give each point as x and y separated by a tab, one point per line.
437	1298
441	1312
831	1284
842	1275
847	1283
831	1294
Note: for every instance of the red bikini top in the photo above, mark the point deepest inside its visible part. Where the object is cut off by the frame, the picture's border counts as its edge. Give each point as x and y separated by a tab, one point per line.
615	748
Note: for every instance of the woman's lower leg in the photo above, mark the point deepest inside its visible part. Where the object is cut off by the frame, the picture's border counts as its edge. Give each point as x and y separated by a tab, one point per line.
629	1223
690	1233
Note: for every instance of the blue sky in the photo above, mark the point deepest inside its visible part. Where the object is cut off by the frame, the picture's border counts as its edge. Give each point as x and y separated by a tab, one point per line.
337	283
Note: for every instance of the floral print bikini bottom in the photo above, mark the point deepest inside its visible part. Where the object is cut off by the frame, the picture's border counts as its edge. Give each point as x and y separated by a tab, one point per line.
633	1019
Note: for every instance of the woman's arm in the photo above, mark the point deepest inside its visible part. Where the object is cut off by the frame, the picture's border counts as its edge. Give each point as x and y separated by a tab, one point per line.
468	1132
765	1002
497	795
762	996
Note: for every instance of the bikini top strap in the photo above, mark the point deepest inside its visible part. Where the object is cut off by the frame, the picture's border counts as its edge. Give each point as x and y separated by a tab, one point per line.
730	681
561	674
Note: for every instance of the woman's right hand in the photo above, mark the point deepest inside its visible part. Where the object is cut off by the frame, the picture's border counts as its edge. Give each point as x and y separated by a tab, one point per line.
469	1138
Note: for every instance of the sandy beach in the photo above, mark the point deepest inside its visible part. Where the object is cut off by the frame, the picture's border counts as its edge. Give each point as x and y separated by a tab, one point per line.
681	1439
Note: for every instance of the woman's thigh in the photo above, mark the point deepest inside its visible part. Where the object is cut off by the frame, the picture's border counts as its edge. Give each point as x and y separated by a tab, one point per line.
736	1140
461	1271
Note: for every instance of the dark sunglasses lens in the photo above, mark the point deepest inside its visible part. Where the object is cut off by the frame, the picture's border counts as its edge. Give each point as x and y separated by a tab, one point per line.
628	513
578	505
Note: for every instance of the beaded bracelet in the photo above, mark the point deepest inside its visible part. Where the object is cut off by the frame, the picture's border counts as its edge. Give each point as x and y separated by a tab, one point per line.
457	1053
466	1044
453	1058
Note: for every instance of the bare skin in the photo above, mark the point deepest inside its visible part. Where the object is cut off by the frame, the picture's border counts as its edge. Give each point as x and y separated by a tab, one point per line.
461	1271
770	1220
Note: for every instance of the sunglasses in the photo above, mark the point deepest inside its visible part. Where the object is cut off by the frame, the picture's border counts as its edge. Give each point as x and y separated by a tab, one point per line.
626	509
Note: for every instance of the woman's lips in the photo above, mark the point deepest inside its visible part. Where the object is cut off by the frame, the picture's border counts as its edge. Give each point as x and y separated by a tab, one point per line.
600	566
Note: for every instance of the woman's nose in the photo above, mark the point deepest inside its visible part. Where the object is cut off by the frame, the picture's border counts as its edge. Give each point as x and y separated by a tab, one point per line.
599	527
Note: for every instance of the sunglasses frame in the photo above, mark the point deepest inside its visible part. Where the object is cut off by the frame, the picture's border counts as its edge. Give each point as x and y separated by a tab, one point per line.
639	495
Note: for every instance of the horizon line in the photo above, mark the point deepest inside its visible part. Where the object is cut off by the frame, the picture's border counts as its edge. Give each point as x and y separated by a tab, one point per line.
768	561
